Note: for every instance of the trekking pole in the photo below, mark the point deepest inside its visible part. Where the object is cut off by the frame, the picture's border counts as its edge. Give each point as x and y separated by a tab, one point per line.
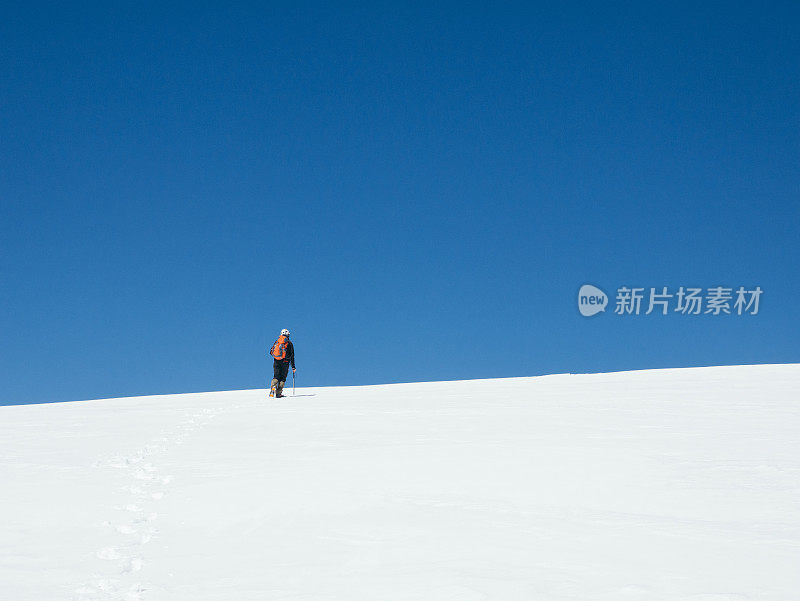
293	382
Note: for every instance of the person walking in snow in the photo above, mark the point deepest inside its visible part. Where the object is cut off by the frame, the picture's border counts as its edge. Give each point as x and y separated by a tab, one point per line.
282	352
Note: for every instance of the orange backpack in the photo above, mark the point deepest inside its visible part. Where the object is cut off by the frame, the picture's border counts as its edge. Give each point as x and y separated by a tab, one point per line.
278	350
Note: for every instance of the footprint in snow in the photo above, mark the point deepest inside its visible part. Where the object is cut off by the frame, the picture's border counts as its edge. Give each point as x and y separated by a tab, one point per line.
99	589
109	553
717	597
134	594
147	536
126	529
146	520
144	475
123	462
134	564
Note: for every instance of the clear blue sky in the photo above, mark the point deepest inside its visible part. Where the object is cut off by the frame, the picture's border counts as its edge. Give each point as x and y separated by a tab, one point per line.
417	192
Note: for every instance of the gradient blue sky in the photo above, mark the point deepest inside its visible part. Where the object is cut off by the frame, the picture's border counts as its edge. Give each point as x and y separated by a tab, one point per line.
416	191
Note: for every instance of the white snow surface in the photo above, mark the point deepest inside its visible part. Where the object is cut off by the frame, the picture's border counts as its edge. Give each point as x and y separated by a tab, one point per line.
678	484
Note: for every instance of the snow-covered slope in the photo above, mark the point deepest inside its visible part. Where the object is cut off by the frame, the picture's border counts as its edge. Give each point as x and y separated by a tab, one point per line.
669	484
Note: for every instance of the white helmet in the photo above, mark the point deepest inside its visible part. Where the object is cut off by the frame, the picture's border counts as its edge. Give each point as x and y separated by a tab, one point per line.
285	332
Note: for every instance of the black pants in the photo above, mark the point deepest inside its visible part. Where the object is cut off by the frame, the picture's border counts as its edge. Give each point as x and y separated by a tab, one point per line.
280	369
